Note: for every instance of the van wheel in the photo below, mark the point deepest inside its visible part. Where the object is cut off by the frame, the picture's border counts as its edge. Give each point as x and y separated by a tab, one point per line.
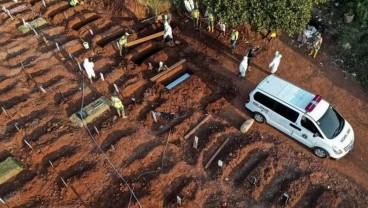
259	117
321	153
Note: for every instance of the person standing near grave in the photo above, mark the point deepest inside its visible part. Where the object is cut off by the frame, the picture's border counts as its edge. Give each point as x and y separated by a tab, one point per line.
161	67
88	66
123	43
167	32
116	102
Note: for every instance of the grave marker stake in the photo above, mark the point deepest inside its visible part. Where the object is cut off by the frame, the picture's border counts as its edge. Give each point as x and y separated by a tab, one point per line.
2	201
116	88
195	143
102	77
96	129
57	46
25	141
178	200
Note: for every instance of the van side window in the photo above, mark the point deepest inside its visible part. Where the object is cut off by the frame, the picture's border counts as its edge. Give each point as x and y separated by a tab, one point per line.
286	112
264	100
308	124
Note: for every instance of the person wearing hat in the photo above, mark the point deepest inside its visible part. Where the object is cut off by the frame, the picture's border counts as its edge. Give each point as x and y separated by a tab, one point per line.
274	65
88	66
123	43
116	102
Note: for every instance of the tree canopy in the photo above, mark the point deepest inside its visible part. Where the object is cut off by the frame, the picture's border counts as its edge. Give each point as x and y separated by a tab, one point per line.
290	16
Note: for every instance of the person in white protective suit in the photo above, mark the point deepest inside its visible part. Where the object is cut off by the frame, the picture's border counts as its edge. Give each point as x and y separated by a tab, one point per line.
88	66
188	6
243	67
274	65
167	32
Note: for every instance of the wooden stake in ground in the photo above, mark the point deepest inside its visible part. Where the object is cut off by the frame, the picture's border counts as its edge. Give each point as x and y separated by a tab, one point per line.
154	116
195	143
57	46
96	129
216	153
2	201
178	200
102	77
199	125
116	88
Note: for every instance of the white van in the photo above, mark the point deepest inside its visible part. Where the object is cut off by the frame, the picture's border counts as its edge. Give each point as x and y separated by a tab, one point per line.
302	115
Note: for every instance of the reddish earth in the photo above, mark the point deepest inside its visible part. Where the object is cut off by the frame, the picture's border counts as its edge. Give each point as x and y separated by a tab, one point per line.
154	158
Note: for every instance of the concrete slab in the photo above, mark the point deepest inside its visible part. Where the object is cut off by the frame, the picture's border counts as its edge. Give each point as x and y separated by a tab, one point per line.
91	111
9	168
35	23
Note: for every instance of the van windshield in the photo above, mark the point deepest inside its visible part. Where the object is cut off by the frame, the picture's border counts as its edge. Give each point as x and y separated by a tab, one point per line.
331	123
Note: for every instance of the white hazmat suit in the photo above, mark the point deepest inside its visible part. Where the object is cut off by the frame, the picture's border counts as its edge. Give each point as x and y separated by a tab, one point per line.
88	66
188	5
168	31
243	66
274	65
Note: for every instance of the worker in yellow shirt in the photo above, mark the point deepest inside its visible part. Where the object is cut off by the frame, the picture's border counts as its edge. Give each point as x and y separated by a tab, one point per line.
233	38
211	22
116	102
123	43
195	15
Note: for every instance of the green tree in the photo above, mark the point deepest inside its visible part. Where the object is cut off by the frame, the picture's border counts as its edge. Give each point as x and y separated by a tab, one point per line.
289	15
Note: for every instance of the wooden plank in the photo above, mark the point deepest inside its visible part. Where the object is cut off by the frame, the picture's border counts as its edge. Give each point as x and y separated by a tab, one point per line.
199	125
141	40
216	153
168	70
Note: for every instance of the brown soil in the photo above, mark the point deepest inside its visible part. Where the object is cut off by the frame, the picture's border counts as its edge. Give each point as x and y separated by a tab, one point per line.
154	158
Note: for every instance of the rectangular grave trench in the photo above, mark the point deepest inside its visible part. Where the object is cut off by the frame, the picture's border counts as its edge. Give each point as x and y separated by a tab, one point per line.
84	21
110	38
144	54
175	77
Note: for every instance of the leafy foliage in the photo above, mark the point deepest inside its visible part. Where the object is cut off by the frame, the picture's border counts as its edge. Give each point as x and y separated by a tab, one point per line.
362	12
289	15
